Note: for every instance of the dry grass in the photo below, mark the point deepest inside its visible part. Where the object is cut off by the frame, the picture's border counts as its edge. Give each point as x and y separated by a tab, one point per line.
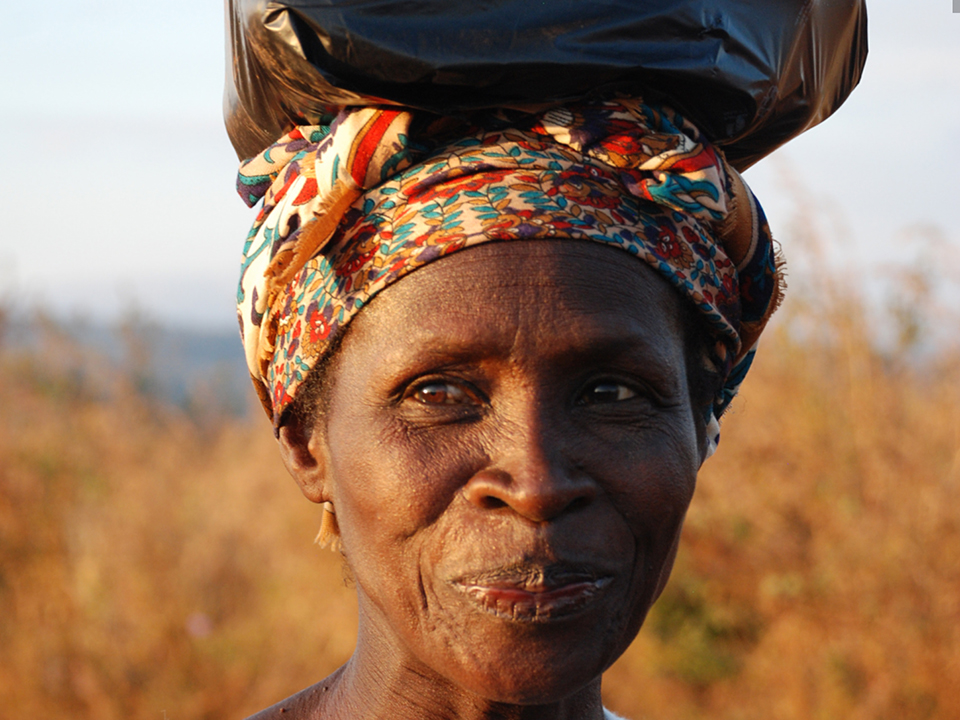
821	572
153	566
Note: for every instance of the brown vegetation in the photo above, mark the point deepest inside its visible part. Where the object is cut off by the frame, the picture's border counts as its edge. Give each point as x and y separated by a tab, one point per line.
159	566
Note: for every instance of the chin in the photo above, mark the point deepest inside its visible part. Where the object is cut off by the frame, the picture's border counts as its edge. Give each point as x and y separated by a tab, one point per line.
526	659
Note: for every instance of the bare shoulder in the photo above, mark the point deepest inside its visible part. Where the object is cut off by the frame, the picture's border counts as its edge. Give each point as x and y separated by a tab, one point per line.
304	705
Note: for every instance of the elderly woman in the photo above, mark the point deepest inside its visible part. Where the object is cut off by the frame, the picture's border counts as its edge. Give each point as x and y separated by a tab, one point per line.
497	351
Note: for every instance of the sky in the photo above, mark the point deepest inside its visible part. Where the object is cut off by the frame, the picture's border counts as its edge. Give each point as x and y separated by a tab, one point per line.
117	182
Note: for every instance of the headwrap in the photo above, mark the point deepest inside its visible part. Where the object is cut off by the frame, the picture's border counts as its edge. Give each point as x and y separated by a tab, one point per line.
355	203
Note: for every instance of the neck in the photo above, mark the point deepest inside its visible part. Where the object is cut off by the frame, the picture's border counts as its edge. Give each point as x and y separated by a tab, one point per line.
379	683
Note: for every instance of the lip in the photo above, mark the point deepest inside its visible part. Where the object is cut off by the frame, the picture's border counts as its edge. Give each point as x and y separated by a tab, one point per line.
534	594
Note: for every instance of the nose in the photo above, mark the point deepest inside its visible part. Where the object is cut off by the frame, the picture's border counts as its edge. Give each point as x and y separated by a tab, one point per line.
530	474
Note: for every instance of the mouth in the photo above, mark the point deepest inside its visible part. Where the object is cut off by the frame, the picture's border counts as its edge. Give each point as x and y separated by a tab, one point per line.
534	594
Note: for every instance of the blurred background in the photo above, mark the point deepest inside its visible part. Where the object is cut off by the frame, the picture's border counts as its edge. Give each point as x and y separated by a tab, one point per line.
156	562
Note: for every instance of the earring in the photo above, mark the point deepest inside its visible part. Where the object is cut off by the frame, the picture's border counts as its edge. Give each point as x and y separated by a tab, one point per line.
329	535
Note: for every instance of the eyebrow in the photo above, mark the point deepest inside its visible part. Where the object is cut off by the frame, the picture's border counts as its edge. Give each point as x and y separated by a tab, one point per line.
593	344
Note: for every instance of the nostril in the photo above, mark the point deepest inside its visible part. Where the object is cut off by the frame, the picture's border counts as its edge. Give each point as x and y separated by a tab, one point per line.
579	503
489	502
534	494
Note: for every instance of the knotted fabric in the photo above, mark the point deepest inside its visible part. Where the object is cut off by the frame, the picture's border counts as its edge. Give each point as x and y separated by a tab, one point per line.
354	204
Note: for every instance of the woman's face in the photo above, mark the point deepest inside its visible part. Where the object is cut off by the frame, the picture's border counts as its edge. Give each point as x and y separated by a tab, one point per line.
510	447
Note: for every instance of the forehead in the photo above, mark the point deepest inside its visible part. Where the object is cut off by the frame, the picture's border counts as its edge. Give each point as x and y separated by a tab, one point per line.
536	297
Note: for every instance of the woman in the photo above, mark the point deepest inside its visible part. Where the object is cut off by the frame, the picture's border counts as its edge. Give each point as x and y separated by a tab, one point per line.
507	439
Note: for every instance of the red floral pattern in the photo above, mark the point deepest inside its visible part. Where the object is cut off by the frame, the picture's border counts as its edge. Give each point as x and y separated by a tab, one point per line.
616	172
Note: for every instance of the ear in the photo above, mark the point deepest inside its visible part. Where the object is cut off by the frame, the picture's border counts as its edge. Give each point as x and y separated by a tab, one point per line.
303	453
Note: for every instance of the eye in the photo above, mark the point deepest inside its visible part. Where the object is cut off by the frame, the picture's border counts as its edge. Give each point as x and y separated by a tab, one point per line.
605	391
439	392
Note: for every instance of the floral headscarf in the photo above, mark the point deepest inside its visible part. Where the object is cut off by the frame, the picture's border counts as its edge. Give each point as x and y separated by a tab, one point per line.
354	204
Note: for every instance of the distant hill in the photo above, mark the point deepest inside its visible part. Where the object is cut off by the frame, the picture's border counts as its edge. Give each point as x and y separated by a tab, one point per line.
180	366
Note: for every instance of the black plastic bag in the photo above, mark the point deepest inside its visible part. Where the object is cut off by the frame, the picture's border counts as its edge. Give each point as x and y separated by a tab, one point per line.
751	73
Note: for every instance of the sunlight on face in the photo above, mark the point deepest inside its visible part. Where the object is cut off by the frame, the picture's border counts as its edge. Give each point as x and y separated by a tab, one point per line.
512	450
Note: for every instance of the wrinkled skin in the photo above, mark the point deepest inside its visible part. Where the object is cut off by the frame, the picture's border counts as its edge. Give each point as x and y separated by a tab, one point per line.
511	446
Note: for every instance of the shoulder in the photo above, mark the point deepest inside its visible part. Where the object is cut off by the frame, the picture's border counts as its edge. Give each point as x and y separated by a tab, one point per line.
299	706
302	705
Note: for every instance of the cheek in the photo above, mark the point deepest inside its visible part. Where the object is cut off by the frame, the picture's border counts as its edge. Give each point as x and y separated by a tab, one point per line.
389	491
396	482
649	472
661	499
650	480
